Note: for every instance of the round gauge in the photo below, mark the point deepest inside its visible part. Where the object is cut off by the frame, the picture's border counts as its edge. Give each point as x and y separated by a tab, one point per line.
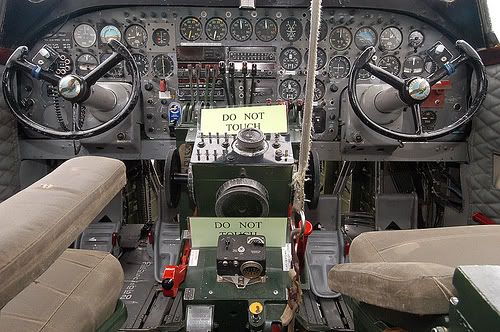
321	58
339	67
109	33
116	71
290	58
291	29
340	38
191	28
84	35
430	66
365	37
142	63
390	39
289	89
416	38
241	29
413	66
163	65
266	29
364	74
136	36
85	63
216	29
161	37
391	64
319	90
429	118
323	30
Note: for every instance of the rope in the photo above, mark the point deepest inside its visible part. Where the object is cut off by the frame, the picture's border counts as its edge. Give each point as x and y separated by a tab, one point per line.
299	177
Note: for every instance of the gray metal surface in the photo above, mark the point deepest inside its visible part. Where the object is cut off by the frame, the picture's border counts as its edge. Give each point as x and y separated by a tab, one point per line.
396	210
167	247
9	159
322	253
484	142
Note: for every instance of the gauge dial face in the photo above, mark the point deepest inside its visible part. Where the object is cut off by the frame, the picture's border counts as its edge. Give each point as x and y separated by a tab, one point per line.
364	74
321	58
323	30
291	29
116	71
340	38
142	63
319	90
390	39
241	29
163	65
109	33
290	58
85	35
161	37
365	37
289	89
191	28
85	63
416	38
429	118
216	29
136	36
266	29
391	64
413	66
339	67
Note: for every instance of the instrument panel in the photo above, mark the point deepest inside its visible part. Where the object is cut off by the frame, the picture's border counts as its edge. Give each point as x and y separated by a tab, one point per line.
179	49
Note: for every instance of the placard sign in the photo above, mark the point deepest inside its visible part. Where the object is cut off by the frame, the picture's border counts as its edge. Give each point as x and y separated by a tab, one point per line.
205	231
269	119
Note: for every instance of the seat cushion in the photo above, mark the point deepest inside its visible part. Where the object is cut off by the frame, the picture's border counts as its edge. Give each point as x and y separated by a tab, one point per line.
451	246
412	270
40	222
417	288
77	293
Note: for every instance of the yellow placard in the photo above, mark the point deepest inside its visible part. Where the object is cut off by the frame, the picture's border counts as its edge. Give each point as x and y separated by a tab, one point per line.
205	231
269	119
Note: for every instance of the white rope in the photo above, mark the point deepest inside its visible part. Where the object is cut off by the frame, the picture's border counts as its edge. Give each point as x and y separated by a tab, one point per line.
299	177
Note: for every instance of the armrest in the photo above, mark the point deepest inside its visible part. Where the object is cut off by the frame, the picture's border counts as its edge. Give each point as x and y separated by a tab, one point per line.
41	221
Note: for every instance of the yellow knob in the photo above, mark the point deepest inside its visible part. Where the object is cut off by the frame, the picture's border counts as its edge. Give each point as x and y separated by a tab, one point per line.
256	308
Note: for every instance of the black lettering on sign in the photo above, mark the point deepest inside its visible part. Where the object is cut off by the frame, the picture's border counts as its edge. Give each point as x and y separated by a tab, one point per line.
219	224
228	117
254	116
250	224
239	126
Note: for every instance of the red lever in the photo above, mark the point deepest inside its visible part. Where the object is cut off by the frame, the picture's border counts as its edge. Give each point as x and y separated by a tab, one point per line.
174	275
302	242
482	219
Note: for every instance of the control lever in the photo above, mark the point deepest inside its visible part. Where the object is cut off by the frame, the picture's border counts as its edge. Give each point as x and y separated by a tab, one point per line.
244	71
252	84
231	82
198	71
214	80
222	71
208	72
190	74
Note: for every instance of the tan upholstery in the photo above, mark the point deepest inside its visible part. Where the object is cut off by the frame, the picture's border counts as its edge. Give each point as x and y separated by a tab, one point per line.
385	263
77	293
40	222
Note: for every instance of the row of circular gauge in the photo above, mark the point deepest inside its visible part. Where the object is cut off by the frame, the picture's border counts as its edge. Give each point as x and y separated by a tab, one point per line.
241	29
162	65
339	67
135	35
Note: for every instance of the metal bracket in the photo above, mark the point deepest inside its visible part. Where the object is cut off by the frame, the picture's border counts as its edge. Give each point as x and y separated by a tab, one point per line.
241	282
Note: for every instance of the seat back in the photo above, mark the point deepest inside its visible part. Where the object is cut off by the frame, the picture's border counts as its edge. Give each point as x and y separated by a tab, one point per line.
40	222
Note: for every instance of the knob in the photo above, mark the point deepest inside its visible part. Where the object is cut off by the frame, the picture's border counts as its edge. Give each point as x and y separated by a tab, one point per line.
167	284
148	86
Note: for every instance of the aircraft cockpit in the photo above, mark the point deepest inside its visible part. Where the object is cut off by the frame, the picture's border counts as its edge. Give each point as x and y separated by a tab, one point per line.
249	165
